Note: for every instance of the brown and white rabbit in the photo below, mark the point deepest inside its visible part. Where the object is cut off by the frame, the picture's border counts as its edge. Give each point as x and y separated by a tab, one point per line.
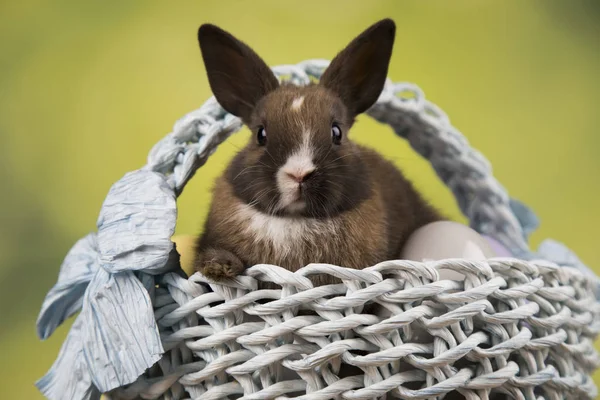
301	191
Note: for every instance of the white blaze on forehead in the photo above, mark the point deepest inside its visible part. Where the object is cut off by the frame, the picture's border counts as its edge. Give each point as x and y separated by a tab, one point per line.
297	103
299	163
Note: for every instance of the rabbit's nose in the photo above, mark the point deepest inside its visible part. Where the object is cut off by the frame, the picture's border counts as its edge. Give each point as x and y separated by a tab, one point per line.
301	176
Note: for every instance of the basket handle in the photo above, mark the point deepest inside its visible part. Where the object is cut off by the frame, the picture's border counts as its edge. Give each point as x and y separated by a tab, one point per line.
402	106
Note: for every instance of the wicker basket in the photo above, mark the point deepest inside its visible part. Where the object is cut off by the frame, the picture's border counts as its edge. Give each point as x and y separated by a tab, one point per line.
519	327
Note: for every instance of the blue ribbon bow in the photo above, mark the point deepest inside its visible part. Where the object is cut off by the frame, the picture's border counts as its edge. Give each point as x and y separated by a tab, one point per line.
115	337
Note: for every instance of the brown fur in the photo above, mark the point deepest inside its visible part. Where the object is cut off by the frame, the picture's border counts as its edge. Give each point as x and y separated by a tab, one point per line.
372	232
357	208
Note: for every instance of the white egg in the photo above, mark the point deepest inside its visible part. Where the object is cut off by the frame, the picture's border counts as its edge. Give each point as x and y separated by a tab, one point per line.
446	239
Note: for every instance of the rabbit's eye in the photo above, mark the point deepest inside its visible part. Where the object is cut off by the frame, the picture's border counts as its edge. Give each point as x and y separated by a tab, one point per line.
261	136
336	134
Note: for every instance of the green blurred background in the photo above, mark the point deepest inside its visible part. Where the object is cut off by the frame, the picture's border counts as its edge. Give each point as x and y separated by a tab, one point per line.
86	88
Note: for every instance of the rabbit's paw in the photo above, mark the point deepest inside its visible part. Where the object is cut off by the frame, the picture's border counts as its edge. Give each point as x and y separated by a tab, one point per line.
219	265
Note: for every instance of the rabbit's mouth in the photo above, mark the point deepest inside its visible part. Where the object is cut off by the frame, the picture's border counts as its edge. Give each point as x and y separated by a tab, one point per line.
292	197
296	207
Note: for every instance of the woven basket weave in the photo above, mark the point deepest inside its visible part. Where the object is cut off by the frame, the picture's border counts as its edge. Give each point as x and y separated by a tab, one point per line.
518	327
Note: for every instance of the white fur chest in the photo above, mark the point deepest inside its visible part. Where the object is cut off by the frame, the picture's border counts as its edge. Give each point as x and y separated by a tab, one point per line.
285	235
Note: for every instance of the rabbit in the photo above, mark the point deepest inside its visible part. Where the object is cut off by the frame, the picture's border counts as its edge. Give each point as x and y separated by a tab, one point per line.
301	191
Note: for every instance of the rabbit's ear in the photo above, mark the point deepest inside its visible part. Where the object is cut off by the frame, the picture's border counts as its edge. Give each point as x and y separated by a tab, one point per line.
238	77
358	73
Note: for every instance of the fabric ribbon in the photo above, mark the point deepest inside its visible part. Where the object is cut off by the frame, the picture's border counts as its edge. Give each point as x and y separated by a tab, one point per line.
115	337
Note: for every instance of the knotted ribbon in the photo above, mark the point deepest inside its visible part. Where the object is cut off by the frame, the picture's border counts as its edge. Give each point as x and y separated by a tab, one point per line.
108	276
